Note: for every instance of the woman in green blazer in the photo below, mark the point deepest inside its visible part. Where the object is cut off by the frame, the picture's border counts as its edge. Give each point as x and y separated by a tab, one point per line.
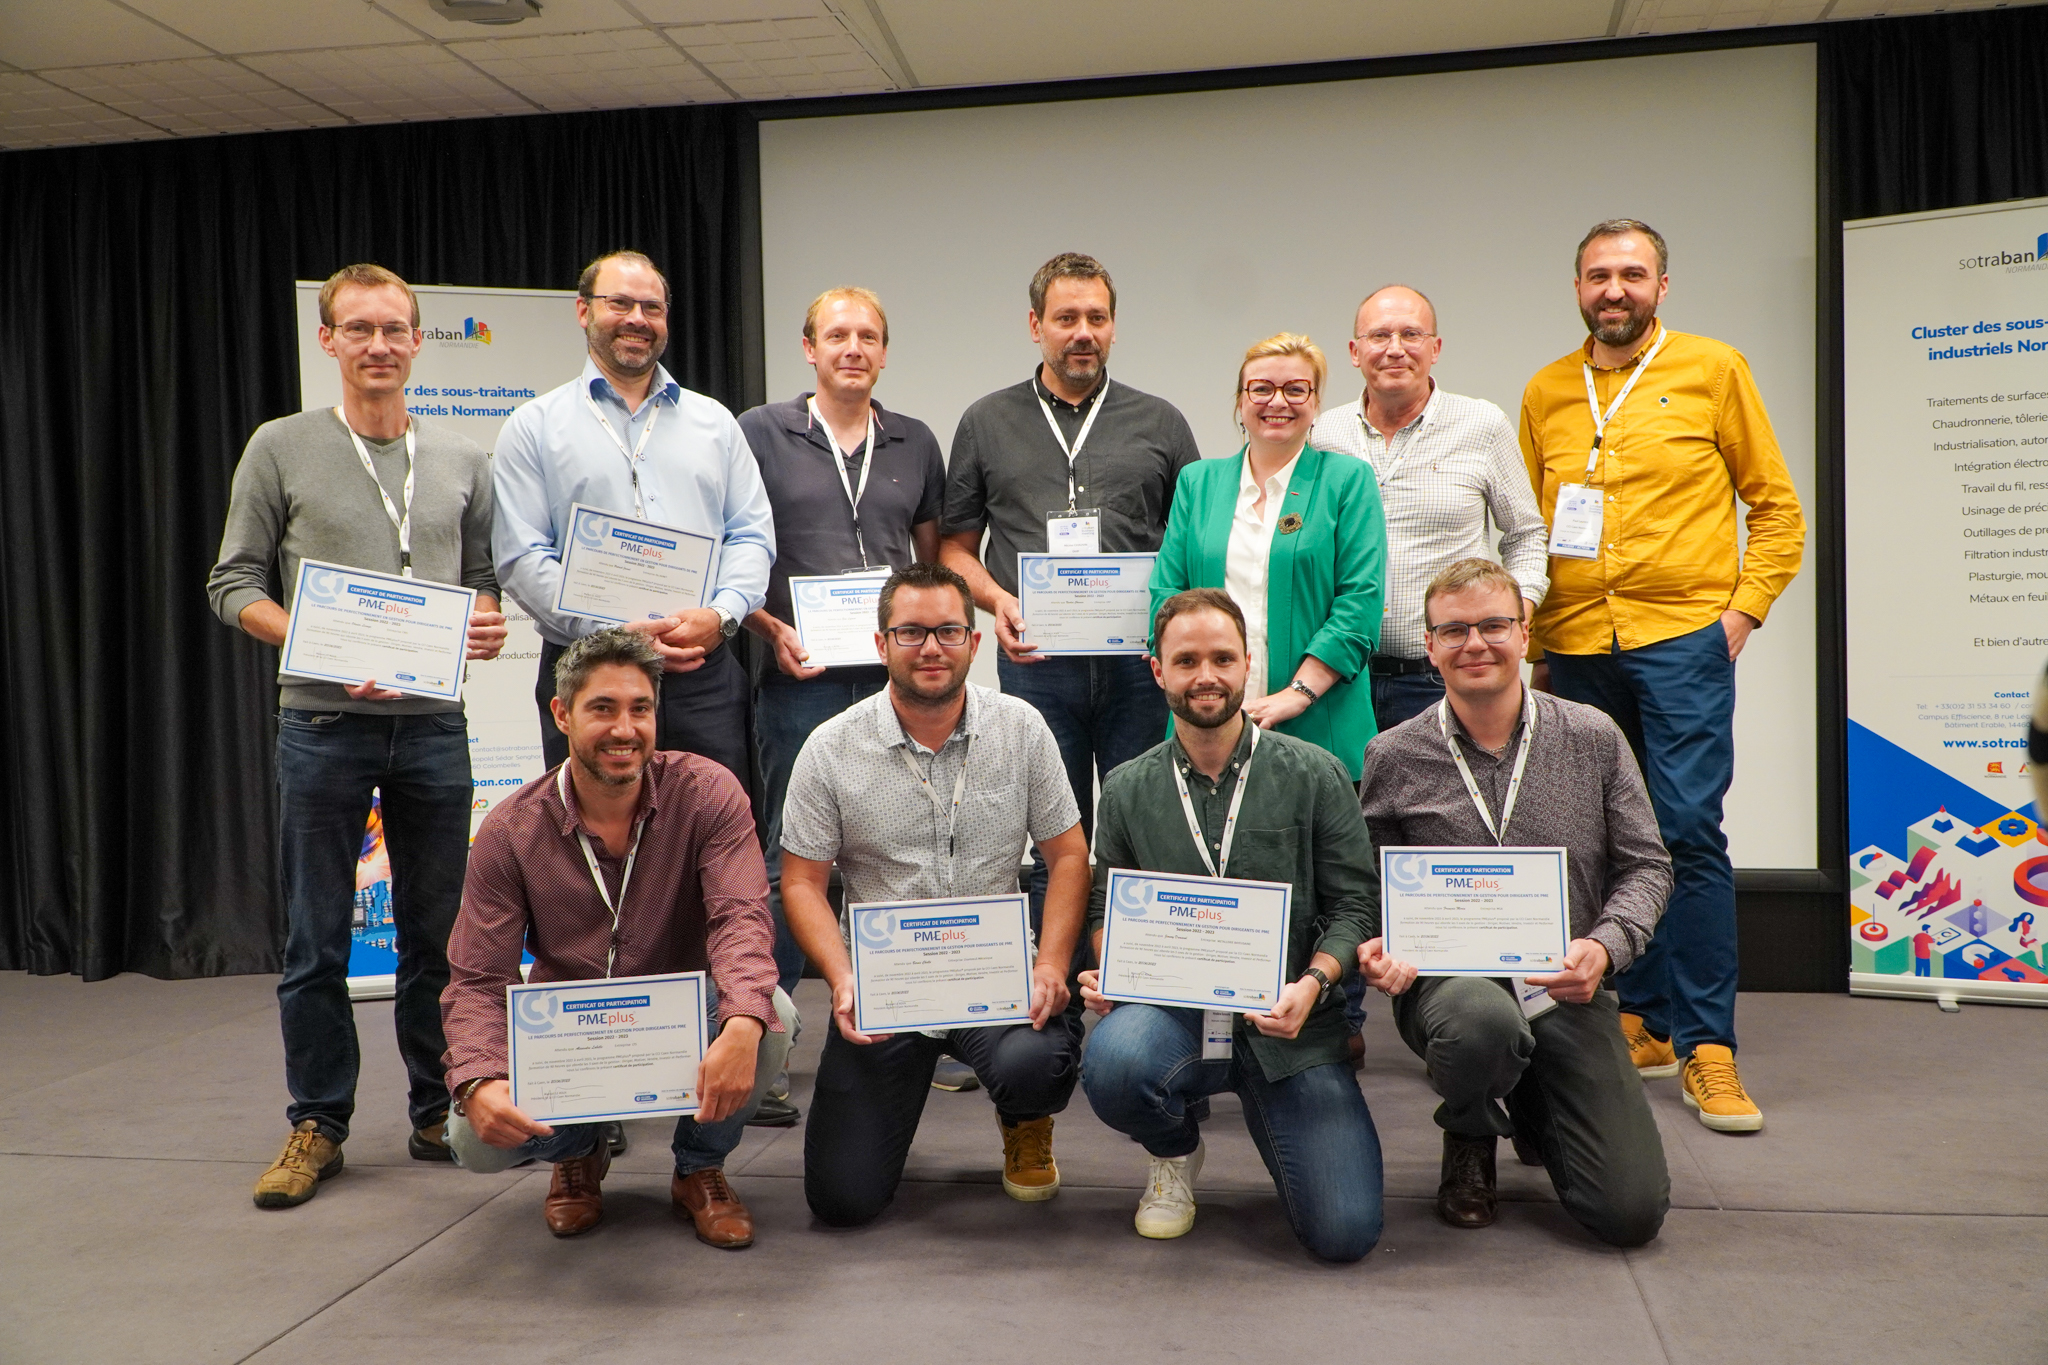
1297	538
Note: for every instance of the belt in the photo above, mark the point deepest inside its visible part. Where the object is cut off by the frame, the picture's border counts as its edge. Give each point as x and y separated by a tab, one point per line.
1394	666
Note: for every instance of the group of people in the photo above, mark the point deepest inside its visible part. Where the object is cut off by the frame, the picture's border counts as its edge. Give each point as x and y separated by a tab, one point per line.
1329	626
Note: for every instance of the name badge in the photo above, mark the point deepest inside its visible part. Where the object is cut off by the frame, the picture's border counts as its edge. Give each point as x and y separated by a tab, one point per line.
1535	1000
1575	526
1216	1026
1075	531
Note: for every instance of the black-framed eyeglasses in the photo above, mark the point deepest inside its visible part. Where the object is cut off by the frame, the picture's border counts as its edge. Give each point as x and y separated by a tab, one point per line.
396	333
1494	630
622	306
913	637
1295	391
1379	338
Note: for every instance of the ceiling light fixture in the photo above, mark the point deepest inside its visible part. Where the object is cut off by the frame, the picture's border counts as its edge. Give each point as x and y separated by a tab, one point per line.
486	11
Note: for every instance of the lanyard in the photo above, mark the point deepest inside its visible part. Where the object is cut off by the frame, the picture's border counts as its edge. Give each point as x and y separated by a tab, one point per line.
403	523
1371	434
1507	812
1221	863
1073	452
867	460
1593	400
633	455
959	789
611	952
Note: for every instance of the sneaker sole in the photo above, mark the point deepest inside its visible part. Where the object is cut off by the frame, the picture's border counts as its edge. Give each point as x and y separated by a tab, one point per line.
1658	1073
280	1200
1160	1233
1724	1123
1031	1194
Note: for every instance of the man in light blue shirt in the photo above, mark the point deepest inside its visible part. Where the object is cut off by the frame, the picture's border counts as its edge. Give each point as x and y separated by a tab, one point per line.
624	436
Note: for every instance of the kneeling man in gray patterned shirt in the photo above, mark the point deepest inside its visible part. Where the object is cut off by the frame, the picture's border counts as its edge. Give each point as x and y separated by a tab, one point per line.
1498	764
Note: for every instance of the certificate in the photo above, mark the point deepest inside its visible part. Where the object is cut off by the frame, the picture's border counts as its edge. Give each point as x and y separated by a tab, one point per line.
1086	604
615	568
590	1051
1475	911
940	964
1212	943
835	617
351	625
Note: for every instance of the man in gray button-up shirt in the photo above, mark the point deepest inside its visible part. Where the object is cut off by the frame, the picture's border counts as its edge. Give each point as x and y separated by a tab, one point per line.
1574	1103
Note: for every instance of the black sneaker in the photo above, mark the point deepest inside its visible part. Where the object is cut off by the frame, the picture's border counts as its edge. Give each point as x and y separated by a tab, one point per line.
775	1112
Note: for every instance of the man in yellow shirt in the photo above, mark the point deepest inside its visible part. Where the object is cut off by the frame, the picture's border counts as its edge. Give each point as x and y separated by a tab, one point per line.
1639	444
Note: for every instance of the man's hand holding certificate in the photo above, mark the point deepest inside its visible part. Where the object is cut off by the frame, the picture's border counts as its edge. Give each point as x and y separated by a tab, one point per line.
351	626
940	964
1475	911
591	1051
835	617
1209	943
616	568
1085	604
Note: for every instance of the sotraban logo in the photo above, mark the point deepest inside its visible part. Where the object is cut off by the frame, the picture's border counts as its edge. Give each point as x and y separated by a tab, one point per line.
472	332
2036	259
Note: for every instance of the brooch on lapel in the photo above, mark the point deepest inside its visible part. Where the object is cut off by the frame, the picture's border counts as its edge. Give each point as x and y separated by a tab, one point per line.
1290	523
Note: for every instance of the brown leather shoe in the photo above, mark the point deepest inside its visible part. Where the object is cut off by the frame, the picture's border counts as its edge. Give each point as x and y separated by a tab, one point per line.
1465	1197
575	1199
705	1199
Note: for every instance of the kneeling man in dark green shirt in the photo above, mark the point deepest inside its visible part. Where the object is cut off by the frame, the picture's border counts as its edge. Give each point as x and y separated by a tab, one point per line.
1147	1065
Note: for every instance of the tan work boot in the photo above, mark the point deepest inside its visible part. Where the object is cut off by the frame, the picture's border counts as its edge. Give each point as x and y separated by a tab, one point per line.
1029	1172
307	1159
1653	1057
1712	1088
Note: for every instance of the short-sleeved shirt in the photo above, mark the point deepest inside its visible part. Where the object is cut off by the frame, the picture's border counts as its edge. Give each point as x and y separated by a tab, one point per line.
853	799
906	487
1007	471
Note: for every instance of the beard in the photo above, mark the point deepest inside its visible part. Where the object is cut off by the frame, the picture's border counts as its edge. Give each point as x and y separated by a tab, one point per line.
913	690
1182	706
1626	332
604	337
1070	368
588	761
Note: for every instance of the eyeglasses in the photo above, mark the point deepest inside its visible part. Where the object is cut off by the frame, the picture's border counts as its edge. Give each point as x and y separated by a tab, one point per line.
1295	391
1379	338
396	333
1494	630
622	305
912	637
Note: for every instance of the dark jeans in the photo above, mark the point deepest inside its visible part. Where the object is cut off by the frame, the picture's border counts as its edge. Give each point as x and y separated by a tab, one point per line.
786	711
868	1100
328	763
702	712
1104	710
1144	1065
1394	700
1569	1086
1675	700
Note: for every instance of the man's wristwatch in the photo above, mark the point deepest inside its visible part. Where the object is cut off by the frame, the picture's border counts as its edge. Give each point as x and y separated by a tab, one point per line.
1299	686
1328	985
727	626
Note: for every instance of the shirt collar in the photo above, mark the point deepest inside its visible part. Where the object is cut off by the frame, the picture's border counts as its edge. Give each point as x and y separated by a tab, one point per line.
1422	418
1634	359
889	726
645	809
1458	731
1038	387
1278	482
1178	756
798	417
665	389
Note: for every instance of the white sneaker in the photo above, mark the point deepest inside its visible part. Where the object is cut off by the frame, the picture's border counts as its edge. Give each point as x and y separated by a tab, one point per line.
1168	1206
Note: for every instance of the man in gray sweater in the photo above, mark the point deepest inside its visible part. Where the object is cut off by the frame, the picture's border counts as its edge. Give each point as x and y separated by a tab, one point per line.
1496	764
368	486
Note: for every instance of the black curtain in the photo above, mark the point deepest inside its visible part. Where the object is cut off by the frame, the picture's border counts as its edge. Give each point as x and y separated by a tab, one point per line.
146	328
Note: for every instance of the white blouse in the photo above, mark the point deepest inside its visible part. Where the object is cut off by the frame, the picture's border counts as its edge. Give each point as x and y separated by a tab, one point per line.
1244	568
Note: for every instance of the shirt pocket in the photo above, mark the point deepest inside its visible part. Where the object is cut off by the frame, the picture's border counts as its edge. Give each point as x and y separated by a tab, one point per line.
1266	855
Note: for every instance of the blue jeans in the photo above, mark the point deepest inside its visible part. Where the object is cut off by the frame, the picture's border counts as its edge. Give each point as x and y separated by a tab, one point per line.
1144	1064
1394	700
1675	700
328	762
786	711
1104	710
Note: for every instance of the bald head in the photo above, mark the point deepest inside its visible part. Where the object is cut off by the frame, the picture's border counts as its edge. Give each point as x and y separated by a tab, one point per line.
1401	295
1394	345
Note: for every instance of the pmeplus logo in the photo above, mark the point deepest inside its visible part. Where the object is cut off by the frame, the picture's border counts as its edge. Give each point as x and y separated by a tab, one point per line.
2036	257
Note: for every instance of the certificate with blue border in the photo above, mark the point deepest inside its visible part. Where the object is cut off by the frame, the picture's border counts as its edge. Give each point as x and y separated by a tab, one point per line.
618	568
590	1051
1086	604
1211	943
1477	911
835	617
940	964
352	625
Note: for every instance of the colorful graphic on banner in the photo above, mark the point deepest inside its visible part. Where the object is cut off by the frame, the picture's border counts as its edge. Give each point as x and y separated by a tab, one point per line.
1946	490
482	353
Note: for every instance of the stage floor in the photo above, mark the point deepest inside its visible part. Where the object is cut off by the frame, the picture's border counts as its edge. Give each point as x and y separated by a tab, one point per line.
1895	1208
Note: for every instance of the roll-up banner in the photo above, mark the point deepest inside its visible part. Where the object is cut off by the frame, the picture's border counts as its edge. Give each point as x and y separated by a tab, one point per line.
485	351
1945	325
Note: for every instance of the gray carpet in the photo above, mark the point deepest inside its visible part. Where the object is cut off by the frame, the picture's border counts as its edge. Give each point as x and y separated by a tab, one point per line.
1894	1209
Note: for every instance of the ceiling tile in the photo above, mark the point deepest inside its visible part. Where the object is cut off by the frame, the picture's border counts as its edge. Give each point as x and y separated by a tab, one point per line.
392	84
235	26
44	33
195	97
556	16
667	12
776	58
624	68
36	113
